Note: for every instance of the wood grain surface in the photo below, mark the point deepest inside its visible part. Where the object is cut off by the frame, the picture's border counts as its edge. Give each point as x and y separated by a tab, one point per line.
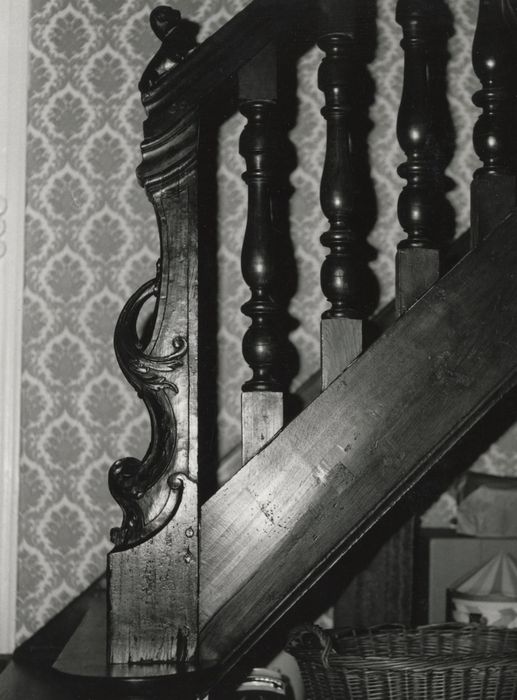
262	416
221	56
270	532
341	342
153	581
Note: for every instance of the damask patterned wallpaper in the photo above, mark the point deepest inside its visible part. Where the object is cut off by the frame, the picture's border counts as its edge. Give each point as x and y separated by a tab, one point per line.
91	240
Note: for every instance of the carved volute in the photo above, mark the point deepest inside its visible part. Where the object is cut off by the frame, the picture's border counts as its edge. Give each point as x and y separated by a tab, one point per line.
260	345
492	54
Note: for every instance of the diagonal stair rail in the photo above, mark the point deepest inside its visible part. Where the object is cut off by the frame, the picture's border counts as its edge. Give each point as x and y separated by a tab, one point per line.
309	495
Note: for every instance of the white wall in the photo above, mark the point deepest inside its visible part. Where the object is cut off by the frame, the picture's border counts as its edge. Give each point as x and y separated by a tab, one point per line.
13	89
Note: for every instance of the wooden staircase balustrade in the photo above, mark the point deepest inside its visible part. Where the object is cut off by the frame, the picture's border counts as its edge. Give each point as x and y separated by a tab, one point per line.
176	605
314	490
270	533
262	398
493	58
379	323
153	570
344	269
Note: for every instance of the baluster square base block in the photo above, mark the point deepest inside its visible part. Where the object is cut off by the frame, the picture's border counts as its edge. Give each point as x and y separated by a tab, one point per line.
262	418
341	342
417	269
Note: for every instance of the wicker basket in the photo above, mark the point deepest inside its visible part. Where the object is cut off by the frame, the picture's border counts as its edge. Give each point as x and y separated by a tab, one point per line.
436	662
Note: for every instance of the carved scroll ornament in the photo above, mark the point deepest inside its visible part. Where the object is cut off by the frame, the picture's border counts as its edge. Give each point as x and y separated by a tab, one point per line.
148	490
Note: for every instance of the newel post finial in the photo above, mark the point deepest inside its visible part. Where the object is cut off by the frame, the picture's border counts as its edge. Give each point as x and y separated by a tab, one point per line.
178	39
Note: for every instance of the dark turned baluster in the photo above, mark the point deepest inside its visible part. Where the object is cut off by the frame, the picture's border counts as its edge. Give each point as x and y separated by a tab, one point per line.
493	58
343	268
262	400
417	261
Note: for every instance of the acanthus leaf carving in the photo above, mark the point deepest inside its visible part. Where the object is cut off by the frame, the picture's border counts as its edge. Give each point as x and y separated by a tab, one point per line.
138	484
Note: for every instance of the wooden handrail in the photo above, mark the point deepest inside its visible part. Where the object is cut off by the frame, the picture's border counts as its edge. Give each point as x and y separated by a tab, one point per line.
220	57
357	448
176	98
342	464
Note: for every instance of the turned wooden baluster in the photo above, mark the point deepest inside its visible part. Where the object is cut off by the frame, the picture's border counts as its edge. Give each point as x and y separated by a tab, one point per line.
417	260
262	399
493	58
343	268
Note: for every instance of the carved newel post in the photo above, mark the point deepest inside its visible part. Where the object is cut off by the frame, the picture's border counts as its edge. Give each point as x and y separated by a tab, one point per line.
153	568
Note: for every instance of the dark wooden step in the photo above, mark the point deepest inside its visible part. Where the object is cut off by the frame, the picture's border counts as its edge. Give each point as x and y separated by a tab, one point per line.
304	500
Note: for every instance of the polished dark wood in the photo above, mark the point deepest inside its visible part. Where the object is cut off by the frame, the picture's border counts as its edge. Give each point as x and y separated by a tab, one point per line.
345	268
379	323
153	569
492	54
342	270
269	533
220	57
262	399
260	345
417	262
337	16
178	40
153	618
494	58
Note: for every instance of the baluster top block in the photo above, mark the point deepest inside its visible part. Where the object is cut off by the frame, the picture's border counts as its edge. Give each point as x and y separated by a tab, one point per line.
337	17
258	78
407	9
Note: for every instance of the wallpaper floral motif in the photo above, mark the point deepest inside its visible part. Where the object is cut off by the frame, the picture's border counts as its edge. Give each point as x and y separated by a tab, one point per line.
91	241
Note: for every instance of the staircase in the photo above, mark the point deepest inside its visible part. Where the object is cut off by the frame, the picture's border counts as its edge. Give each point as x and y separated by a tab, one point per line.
308	491
192	587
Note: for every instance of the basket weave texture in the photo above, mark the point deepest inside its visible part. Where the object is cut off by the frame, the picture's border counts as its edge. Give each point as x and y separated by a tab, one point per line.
434	662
